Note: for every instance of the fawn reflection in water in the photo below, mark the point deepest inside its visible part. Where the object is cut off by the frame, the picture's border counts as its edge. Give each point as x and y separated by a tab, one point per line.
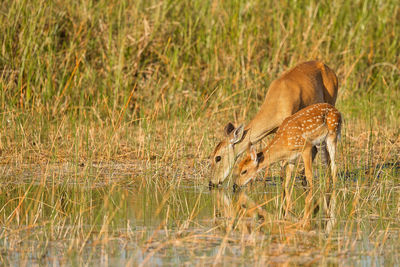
239	211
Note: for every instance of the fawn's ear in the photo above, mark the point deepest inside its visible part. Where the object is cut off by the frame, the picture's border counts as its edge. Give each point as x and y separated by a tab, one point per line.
229	128
253	154
237	134
257	158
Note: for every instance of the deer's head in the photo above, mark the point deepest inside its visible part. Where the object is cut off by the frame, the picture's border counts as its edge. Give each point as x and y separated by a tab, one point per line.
224	156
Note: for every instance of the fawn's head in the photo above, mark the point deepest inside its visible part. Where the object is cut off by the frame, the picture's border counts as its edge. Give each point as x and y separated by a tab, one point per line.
224	156
247	168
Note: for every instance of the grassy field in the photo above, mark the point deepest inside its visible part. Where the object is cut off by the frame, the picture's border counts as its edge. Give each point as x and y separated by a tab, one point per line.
110	109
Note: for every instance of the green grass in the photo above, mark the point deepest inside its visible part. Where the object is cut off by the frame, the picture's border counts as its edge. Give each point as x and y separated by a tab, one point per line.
110	109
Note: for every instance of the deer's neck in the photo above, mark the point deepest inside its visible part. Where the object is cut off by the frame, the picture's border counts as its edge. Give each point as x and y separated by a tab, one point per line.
243	144
265	121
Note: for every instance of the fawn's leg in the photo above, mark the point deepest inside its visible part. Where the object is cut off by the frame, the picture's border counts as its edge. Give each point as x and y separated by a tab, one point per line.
331	141
307	159
314	152
330	197
287	192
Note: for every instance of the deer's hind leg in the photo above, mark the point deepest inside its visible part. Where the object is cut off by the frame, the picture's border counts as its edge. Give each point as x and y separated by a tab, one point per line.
331	141
330	196
287	190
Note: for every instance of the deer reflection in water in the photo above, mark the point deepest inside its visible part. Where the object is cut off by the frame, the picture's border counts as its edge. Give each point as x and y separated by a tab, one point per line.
237	211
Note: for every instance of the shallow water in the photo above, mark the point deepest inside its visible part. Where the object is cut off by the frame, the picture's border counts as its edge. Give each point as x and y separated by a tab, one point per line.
103	214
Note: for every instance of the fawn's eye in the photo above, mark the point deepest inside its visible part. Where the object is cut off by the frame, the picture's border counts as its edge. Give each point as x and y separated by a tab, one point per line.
217	158
243	172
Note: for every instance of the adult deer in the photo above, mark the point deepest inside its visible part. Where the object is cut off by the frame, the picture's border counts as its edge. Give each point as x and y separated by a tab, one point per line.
305	84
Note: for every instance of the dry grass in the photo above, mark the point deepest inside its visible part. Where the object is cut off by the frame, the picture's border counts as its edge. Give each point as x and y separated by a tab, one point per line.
109	111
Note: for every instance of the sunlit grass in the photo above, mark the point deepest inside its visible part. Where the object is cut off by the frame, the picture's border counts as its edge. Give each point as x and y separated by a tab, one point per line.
109	111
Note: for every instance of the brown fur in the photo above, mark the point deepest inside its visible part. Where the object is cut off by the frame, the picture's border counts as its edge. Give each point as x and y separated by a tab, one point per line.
305	84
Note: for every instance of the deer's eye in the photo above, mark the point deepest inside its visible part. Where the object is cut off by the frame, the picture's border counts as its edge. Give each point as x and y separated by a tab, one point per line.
243	172
217	158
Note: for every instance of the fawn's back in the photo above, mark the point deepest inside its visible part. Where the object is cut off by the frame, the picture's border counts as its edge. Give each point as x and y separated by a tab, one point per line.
309	126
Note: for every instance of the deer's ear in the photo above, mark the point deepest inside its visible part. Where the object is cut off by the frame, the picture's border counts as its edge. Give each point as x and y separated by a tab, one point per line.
229	128
253	154
257	158
237	134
